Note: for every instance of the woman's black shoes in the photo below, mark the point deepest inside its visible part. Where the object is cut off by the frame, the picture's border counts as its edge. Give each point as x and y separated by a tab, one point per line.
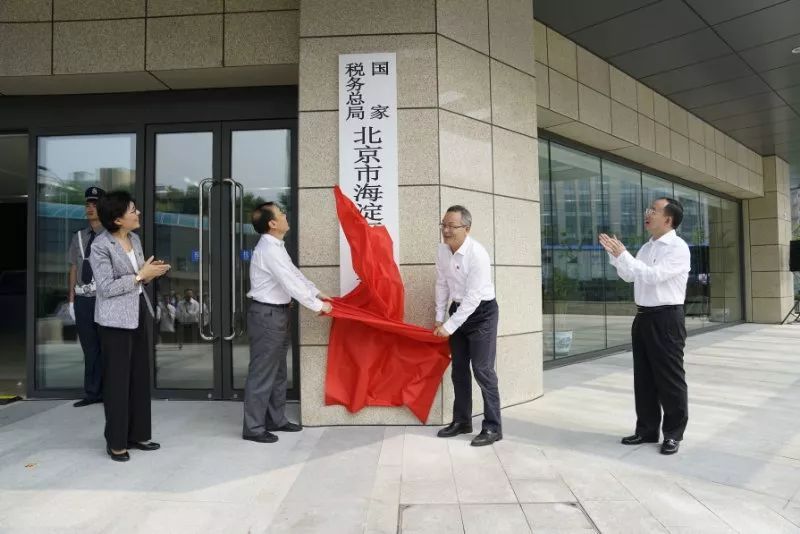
149	446
123	457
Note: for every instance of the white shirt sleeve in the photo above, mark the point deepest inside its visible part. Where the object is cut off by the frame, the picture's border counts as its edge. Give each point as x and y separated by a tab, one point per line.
675	263
281	266
480	271
622	269
442	289
309	284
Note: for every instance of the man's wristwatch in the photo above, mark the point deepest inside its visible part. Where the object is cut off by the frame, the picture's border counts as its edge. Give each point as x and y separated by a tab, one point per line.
138	278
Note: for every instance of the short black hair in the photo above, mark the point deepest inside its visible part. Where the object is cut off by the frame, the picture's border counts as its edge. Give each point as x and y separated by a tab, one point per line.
261	217
673	210
466	216
113	206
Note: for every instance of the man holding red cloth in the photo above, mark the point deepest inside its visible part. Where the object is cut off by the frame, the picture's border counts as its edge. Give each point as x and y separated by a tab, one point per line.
374	358
464	278
274	282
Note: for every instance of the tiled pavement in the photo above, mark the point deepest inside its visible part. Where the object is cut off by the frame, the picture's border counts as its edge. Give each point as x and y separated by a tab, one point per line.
559	469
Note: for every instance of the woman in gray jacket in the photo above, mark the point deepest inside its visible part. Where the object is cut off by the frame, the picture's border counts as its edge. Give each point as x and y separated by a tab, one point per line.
120	271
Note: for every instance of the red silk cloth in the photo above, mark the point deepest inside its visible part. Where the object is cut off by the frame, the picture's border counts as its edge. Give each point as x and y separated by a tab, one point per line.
374	358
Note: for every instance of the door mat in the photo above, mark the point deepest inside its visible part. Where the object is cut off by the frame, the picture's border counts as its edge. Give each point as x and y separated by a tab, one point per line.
8	399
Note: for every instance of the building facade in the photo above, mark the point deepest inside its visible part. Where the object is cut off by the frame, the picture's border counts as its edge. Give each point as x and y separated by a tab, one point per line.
545	142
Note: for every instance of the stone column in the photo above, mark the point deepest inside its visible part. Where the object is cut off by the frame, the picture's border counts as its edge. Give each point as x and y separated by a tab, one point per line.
467	135
769	219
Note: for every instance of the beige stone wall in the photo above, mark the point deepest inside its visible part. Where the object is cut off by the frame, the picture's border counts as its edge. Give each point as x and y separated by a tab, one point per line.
95	46
467	129
582	97
768	223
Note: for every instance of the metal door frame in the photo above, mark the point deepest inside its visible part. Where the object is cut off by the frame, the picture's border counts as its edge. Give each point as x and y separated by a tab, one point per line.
221	324
109	113
34	390
148	225
228	389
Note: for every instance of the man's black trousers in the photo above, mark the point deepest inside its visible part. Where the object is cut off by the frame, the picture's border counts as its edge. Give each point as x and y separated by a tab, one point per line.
476	341
89	336
659	336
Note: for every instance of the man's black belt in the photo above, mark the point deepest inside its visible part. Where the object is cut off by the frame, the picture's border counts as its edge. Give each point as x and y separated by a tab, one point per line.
457	303
271	305
654	309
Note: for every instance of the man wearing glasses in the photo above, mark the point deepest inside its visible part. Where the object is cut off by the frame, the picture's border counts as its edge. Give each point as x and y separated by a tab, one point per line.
464	278
659	274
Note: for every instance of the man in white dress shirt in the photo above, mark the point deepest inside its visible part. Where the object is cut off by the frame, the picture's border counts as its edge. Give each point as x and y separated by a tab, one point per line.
464	278
274	282
187	313
659	274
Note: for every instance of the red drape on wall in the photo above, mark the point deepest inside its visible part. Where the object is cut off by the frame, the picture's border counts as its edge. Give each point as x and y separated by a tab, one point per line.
374	358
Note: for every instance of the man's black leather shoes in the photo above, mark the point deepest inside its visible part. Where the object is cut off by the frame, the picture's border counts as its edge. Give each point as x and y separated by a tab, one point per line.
266	437
670	446
86	402
288	427
636	439
486	437
123	457
149	446
454	429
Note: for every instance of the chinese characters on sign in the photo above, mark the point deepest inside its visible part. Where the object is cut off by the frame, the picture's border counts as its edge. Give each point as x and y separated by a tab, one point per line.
368	146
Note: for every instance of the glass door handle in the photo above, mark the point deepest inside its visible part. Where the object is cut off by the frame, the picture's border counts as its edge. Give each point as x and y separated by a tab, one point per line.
242	327
237	276
210	337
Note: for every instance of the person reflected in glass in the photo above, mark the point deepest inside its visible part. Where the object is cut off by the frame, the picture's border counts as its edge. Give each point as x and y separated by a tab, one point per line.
165	315
188	317
659	273
121	272
82	300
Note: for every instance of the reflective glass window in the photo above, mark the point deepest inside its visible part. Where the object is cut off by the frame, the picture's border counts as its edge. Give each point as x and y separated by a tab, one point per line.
586	306
66	167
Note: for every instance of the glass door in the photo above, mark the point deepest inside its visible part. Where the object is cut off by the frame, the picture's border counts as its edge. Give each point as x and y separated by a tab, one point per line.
258	156
13	262
66	164
182	158
206	178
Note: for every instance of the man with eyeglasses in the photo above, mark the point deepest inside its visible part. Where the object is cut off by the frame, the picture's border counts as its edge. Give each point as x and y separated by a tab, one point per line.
659	274
464	278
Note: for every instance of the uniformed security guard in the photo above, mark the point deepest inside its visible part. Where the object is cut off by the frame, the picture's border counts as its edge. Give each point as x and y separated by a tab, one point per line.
82	299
